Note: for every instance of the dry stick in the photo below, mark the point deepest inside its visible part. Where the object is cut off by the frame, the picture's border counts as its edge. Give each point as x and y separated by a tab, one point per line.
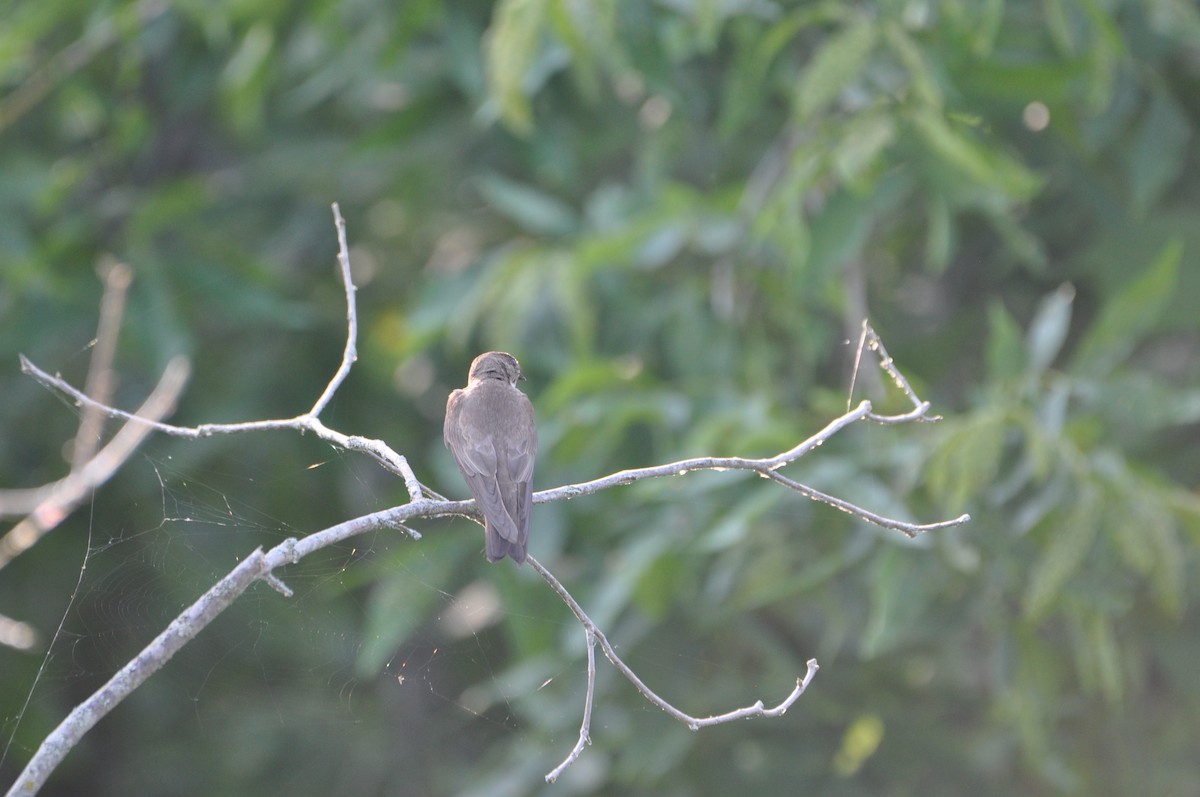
307	422
766	467
99	382
54	71
888	364
292	550
593	633
910	530
57	500
182	629
350	352
260	566
185	627
49	504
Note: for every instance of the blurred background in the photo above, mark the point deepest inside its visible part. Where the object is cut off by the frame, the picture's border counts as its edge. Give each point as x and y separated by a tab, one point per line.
676	214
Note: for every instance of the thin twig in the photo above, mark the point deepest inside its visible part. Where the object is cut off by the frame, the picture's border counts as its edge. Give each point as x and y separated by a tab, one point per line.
594	634
910	530
858	353
767	467
589	696
889	365
350	353
260	566
182	630
54	502
307	422
55	70
100	382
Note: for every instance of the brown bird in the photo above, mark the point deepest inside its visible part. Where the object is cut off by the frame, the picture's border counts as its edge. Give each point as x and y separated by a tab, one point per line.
490	431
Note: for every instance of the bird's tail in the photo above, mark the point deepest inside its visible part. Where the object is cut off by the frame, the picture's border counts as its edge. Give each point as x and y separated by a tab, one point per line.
498	547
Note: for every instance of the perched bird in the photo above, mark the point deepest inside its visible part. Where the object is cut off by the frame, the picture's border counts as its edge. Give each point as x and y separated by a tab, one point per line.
490	431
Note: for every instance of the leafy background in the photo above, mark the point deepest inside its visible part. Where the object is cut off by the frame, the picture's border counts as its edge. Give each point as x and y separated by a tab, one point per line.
676	214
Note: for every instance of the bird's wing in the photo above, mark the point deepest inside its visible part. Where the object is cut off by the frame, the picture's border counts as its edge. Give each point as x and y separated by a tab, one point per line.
517	488
478	462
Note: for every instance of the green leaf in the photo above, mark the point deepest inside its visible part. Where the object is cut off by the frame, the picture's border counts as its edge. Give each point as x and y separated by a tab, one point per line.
511	45
1069	543
1059	27
1097	658
982	165
586	30
860	145
1161	537
534	210
1007	358
900	591
922	79
1105	656
836	64
732	527
1022	244
1159	151
1125	520
940	237
1130	314
747	84
782	218
968	458
1049	327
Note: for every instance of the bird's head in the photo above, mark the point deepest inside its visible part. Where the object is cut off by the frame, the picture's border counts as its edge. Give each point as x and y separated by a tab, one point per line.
496	365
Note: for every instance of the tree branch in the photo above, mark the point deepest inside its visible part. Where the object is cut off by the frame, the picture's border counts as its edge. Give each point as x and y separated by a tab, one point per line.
423	503
54	502
592	634
307	422
100	381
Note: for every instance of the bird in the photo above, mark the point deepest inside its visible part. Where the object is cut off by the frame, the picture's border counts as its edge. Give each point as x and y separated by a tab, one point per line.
491	433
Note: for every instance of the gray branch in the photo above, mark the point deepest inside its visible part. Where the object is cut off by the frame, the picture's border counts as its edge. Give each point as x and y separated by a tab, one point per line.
423	503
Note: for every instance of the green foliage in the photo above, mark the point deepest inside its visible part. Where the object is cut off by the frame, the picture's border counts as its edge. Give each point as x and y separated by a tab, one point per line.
675	214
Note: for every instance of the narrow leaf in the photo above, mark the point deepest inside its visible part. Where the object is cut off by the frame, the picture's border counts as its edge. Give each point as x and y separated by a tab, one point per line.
1069	544
511	47
836	64
1130	314
534	210
1048	330
1007	358
977	163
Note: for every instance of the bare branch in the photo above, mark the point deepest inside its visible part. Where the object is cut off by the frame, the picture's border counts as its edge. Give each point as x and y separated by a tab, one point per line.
423	503
100	382
909	530
889	365
187	626
767	467
307	422
594	634
585	726
350	353
56	501
182	629
16	634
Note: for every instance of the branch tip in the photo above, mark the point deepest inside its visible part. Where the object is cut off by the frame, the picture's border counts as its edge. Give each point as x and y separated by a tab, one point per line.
275	583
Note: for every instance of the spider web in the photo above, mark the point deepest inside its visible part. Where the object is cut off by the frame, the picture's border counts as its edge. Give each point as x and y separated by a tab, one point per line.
448	690
141	560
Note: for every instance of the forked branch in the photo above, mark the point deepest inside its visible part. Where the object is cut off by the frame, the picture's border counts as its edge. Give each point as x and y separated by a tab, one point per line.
424	503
